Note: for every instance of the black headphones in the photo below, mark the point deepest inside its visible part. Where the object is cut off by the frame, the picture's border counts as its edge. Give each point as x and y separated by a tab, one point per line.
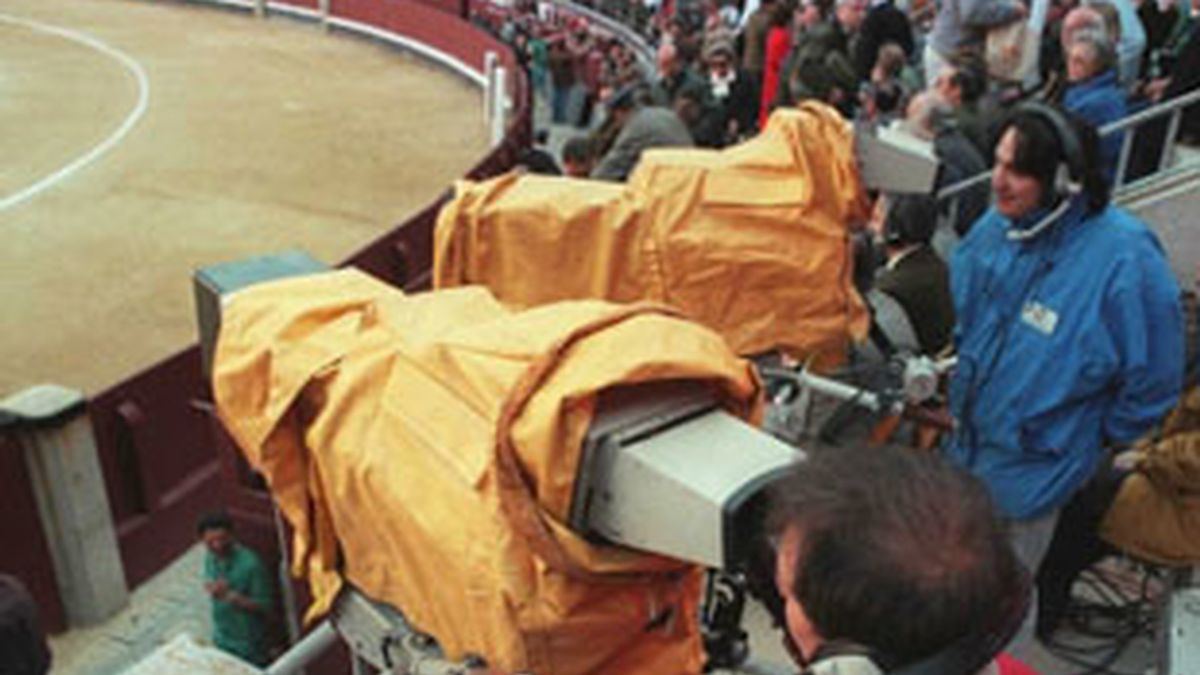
1068	177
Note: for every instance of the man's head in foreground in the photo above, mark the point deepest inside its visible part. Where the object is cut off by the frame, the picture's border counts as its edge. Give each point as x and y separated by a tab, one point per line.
216	531
890	553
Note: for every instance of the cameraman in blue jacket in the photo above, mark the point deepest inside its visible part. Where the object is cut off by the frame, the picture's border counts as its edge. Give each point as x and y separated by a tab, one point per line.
1069	328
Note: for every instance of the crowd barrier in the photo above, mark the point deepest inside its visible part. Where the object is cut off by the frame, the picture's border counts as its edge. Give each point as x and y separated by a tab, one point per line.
163	456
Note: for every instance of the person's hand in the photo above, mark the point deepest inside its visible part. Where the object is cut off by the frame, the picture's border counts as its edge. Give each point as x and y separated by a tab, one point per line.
1155	88
218	589
1128	460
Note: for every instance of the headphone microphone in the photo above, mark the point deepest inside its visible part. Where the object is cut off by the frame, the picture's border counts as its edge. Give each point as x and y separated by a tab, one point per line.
1068	176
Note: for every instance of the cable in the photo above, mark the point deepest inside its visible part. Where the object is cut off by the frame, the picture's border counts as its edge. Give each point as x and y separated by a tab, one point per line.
1111	621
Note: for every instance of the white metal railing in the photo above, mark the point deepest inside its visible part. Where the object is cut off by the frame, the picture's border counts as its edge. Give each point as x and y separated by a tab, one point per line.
641	49
1173	107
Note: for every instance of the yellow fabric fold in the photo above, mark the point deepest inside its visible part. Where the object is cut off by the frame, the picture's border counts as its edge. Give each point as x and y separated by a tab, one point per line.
751	241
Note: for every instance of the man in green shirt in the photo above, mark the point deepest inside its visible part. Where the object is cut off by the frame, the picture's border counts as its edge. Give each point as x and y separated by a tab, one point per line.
241	591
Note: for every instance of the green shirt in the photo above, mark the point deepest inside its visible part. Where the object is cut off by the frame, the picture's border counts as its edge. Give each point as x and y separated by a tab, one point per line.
235	630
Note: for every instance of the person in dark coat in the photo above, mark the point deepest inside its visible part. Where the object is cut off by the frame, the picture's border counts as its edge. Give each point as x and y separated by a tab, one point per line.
914	274
930	118
883	23
1182	78
962	84
640	127
732	92
820	66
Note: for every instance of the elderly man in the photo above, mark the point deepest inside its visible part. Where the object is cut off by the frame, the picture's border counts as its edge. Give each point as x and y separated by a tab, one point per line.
962	84
673	75
1081	19
930	117
887	559
1069	333
1093	91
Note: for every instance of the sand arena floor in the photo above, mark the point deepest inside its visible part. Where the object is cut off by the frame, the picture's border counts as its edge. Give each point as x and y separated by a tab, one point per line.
143	139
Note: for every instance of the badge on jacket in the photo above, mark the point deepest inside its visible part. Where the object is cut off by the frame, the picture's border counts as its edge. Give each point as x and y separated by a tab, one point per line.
1042	318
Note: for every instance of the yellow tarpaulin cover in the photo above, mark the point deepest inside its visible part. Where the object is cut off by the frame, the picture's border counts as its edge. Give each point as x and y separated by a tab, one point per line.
433	440
751	241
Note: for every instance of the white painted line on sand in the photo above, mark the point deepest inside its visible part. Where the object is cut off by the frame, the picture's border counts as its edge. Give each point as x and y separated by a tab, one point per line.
143	84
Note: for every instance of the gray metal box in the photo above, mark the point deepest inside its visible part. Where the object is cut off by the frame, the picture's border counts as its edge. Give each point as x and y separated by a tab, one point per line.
214	282
1183	633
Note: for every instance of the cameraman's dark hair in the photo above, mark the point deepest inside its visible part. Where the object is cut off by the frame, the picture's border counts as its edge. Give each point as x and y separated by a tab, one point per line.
1040	151
901	552
214	520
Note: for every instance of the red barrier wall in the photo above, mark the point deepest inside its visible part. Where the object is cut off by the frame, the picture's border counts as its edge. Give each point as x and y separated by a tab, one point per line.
25	553
154	437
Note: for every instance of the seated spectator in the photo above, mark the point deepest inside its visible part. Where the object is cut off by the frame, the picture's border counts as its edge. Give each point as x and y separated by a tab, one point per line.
883	24
868	581
883	95
961	86
931	119
1081	19
914	274
1093	92
637	127
577	157
732	93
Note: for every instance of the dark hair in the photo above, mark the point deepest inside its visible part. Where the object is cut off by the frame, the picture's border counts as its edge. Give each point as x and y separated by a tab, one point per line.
970	78
577	149
214	520
911	219
781	13
1040	151
902	553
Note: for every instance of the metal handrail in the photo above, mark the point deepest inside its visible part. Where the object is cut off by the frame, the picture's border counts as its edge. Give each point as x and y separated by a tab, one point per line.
1154	111
1173	107
641	49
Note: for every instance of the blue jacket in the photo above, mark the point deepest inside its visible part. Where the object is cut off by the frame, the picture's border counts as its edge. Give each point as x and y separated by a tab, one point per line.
1098	101
1064	341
